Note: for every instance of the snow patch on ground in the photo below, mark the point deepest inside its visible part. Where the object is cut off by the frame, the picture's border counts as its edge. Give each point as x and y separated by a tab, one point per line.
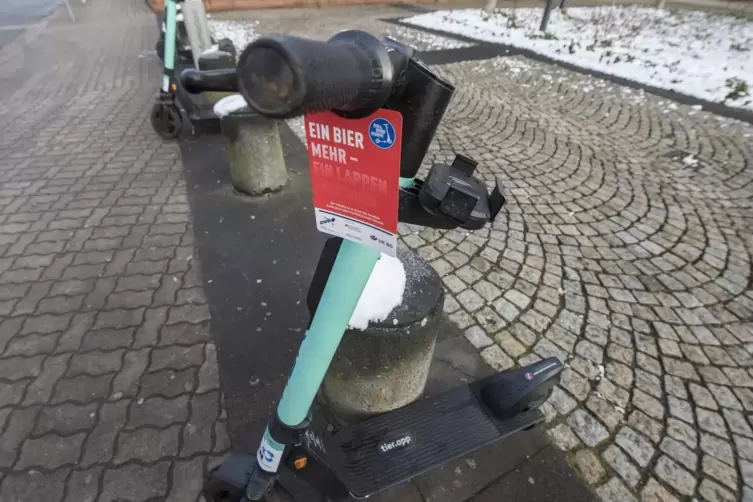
241	33
384	291
212	49
423	41
229	104
296	125
706	55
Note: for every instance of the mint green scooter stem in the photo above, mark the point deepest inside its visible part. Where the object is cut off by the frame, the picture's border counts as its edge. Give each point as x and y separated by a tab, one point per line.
346	282
170	32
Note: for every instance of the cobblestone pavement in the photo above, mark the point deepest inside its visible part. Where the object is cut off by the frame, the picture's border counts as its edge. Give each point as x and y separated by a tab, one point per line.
108	382
624	249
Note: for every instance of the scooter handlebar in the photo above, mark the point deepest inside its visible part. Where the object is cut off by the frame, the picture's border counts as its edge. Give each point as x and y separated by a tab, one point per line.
284	76
198	81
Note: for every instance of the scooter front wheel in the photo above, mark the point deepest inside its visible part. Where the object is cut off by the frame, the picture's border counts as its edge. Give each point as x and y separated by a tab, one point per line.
220	489
167	120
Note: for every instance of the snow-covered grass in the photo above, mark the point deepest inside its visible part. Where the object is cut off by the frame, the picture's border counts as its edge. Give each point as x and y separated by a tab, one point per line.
706	55
423	41
241	33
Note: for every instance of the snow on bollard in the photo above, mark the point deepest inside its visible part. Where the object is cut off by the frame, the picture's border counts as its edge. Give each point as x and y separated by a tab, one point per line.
383	360
254	150
382	294
230	104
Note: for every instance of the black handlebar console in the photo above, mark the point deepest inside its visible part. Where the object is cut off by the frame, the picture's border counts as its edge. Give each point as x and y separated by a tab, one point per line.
195	81
284	76
354	74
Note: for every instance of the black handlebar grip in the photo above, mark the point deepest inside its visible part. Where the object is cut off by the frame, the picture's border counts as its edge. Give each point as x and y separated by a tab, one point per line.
197	81
282	76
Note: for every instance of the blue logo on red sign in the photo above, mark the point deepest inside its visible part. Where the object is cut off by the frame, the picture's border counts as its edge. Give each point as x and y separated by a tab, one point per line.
382	133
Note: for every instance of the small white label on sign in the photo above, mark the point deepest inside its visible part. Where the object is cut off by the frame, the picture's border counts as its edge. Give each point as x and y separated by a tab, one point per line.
354	230
269	454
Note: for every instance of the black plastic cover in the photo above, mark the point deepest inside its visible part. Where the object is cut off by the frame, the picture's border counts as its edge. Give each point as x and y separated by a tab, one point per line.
451	192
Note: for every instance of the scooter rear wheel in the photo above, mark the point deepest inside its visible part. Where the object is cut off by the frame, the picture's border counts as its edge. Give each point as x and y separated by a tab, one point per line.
167	120
217	489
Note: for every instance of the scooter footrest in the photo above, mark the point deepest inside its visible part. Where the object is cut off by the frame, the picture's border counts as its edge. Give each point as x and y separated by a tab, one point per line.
397	446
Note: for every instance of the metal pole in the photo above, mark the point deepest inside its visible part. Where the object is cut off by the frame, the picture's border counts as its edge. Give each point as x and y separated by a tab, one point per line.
547	12
70	11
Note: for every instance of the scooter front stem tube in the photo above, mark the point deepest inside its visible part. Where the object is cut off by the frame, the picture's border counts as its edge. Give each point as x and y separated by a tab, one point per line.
170	30
346	282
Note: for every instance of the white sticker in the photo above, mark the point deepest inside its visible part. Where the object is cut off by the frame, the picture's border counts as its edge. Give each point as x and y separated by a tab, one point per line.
270	453
354	230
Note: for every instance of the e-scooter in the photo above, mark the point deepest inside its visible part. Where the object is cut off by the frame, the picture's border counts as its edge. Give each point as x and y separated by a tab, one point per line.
166	116
355	75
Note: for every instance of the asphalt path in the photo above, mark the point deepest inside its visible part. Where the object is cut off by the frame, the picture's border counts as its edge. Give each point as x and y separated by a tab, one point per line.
16	15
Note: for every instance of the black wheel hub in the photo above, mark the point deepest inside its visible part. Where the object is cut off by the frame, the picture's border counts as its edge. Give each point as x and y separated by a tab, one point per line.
167	120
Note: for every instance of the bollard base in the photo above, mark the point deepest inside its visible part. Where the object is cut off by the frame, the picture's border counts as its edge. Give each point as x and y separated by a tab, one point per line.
386	366
257	165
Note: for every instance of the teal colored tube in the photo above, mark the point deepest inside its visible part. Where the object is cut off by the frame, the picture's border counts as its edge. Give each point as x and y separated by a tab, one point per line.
347	281
406	182
170	31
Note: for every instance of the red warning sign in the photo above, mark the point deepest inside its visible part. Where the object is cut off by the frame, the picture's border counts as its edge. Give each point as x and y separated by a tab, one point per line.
355	172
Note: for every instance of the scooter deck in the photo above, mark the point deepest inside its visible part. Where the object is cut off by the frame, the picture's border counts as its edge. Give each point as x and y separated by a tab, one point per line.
397	446
203	119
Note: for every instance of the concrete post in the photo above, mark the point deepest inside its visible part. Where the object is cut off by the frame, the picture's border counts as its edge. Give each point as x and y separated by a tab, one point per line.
385	366
254	152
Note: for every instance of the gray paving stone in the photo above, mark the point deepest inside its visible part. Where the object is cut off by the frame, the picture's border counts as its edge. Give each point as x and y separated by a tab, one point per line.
737	423
147	444
621	463
638	447
711	421
95	363
140	483
655	492
471	300
575	384
197	434
17	368
176	357
651	406
496	358
209	373
50	451
717	447
615	491
34	487
645	425
679	453
714	492
66	419
720	471
588	429
589	466
83	486
680	409
674	475
563	437
478	337
187	480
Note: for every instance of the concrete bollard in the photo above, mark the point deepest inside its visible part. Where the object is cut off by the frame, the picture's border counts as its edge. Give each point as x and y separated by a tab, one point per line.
257	165
385	366
216	60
